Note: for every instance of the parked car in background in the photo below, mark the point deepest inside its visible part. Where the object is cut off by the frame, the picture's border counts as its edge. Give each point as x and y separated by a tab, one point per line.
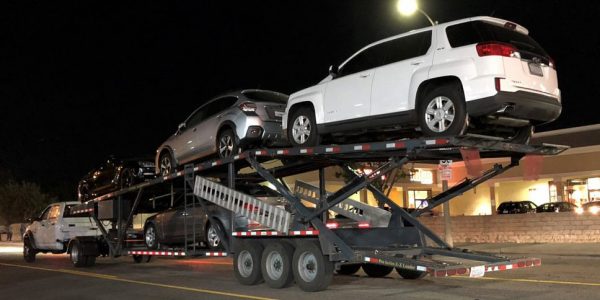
590	207
516	207
223	126
482	75
557	207
114	174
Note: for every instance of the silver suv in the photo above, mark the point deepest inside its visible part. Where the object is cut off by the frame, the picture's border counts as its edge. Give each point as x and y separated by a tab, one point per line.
223	126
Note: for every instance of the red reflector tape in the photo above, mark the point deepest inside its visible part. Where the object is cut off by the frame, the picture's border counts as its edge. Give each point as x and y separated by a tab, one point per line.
332	149
371	260
304	232
283	152
364	225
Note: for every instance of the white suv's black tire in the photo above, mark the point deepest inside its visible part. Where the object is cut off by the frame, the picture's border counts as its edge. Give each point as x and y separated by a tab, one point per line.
312	270
437	106
302	128
411	274
276	264
522	135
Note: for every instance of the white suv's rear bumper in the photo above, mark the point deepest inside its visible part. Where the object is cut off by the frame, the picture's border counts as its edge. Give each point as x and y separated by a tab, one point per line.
536	107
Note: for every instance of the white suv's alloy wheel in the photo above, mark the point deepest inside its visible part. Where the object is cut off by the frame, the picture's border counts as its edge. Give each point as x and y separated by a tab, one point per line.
301	129
440	114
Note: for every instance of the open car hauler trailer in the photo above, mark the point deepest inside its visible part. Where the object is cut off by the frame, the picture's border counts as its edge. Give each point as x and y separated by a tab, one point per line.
298	244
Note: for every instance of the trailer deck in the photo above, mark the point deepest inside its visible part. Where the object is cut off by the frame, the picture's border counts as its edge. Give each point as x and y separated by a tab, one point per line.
296	238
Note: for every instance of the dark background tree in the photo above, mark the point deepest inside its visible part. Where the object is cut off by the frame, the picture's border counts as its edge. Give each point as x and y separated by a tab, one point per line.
20	200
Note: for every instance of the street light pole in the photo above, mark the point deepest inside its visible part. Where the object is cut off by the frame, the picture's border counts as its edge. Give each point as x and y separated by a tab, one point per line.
409	7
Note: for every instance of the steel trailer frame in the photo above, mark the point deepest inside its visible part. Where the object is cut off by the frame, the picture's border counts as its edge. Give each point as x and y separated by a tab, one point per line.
405	244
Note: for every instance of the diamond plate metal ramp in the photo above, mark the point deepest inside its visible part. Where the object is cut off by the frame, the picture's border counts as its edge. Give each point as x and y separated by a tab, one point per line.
252	208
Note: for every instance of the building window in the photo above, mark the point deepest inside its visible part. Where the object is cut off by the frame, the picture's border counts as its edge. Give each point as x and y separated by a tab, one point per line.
418	198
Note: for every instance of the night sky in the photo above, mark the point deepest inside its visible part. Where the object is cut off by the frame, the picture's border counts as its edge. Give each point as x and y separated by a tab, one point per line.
80	80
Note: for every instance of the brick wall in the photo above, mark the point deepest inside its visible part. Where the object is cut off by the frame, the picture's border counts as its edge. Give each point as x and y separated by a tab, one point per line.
522	228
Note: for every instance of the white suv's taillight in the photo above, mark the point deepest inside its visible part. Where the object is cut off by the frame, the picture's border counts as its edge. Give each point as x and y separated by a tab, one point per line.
248	107
496	48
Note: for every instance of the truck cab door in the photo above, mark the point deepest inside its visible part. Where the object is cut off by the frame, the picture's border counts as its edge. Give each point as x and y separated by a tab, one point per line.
45	235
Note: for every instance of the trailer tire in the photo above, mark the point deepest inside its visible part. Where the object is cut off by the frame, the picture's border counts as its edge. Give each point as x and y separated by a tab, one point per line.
141	258
312	270
246	262
276	264
377	270
411	274
90	260
77	256
348	269
29	250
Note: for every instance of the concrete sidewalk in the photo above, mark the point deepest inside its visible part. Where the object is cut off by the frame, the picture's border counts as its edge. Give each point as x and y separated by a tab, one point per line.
559	249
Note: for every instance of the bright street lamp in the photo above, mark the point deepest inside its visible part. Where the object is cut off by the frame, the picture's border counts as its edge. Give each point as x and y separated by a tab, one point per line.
409	7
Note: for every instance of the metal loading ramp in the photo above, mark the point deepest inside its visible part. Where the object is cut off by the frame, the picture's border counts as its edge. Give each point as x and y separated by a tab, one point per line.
252	208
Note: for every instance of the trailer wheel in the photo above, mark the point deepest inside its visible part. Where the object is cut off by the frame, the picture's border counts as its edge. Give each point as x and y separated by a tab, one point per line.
348	269
276	265
246	263
312	270
29	251
141	258
411	274
77	258
376	270
90	260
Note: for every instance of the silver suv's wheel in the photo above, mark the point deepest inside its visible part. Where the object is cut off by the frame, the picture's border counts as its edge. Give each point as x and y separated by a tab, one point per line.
227	144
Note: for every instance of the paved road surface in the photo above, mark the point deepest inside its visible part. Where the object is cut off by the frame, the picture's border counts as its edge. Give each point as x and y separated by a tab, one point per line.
53	277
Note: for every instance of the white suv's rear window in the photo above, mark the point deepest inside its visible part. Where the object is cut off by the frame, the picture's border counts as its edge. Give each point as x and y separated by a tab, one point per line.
478	32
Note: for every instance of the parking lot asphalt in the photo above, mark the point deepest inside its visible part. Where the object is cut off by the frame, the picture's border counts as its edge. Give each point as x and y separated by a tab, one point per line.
53	277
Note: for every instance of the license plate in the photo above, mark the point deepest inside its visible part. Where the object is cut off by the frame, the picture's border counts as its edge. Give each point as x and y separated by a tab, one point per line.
278	114
536	69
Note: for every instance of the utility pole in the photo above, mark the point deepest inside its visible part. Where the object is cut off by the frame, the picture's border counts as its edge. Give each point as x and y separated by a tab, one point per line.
447	223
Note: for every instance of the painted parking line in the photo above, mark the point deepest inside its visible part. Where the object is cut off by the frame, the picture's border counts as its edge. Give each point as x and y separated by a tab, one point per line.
116	278
536	281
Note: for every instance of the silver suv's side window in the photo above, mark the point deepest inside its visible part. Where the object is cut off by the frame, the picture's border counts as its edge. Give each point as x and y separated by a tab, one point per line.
389	52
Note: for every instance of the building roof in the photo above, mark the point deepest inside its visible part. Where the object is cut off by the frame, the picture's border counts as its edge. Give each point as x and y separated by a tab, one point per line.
582	136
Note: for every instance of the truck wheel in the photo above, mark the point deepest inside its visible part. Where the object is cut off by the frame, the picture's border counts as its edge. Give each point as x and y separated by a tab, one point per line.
142	258
411	274
348	269
302	130
150	237
443	112
29	251
312	270
376	270
77	258
276	265
246	263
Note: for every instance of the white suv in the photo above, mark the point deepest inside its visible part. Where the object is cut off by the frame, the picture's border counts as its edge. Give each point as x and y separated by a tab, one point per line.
481	74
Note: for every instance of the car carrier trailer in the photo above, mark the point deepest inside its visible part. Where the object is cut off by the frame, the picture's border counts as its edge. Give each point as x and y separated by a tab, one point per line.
298	244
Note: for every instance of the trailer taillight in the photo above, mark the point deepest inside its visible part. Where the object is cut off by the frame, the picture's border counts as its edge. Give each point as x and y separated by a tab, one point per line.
364	225
496	48
332	225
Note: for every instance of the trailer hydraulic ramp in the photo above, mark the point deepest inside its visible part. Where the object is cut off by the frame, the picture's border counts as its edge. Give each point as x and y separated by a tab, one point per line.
355	210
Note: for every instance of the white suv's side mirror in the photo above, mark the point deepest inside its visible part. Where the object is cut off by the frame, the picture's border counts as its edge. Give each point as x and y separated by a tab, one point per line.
333	71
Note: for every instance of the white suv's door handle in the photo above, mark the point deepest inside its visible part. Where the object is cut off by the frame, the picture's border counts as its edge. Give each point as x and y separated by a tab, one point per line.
365	75
416	63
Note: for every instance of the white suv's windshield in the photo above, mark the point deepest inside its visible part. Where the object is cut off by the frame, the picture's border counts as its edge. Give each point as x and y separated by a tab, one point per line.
478	32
